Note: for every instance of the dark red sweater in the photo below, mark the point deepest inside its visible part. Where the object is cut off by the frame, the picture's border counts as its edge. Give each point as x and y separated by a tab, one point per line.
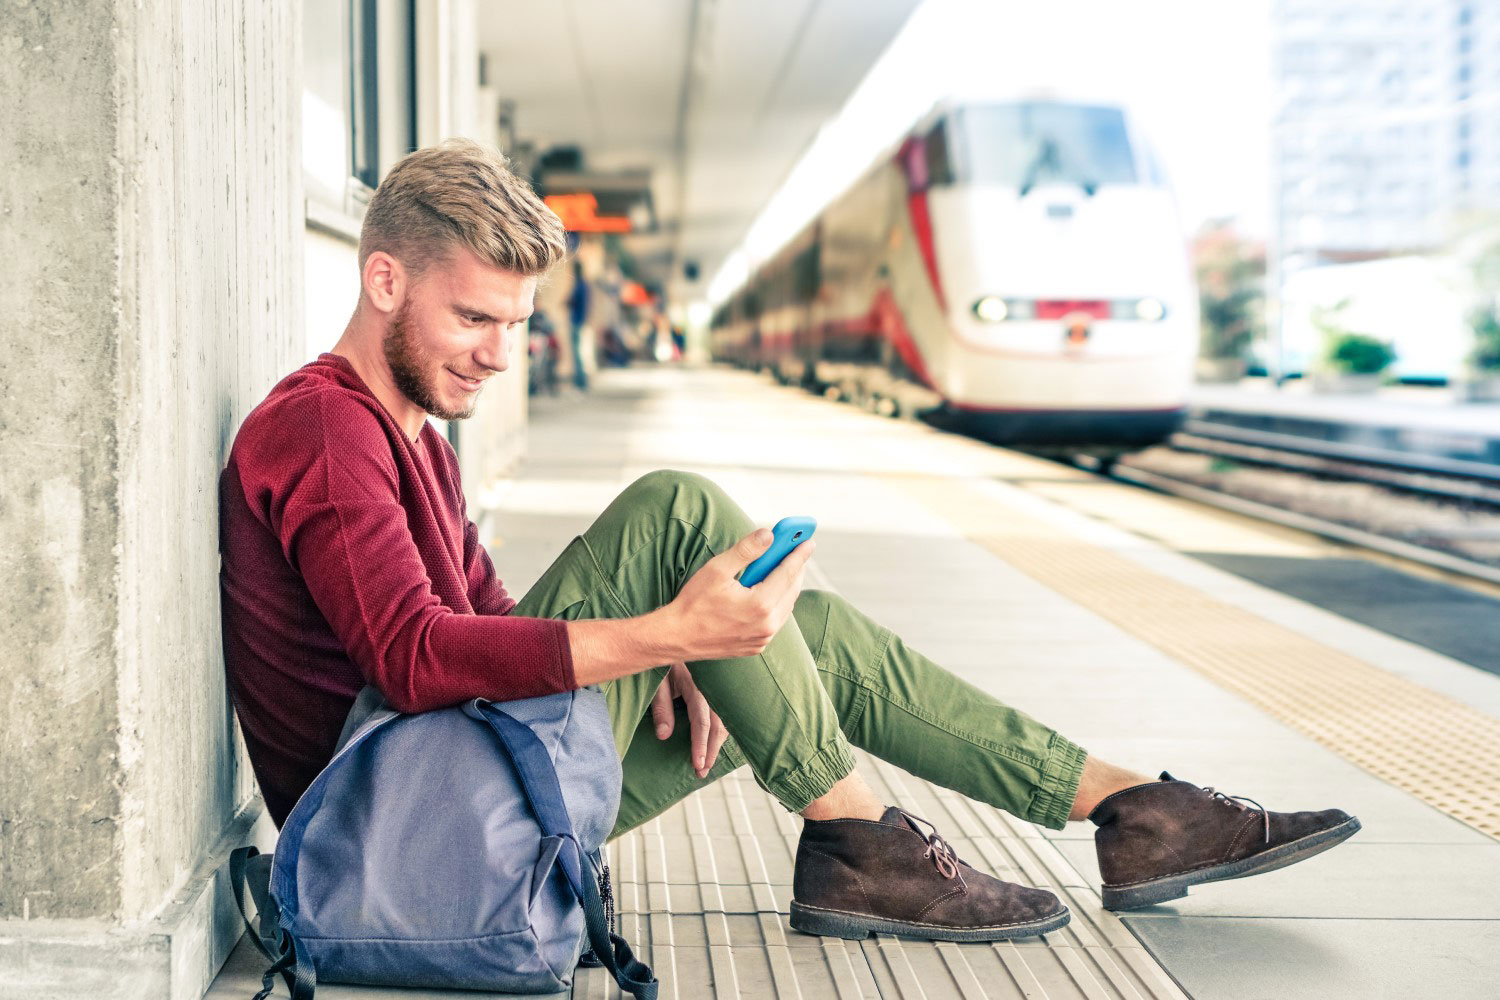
348	558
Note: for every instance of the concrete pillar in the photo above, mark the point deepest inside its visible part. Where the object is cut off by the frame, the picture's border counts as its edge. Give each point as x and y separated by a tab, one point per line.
150	221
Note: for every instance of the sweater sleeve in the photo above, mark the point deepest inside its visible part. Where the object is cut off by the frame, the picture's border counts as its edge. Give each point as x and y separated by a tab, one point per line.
486	592
342	527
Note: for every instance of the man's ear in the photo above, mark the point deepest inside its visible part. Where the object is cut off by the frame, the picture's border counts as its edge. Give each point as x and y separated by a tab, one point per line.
384	280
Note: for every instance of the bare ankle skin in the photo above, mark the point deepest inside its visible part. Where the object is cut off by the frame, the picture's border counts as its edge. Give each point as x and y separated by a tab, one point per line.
849	798
1100	780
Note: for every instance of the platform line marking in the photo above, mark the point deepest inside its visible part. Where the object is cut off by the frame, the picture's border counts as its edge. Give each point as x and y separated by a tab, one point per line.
1428	744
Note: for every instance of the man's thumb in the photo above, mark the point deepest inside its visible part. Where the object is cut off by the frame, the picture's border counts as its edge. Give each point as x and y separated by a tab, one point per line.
753	545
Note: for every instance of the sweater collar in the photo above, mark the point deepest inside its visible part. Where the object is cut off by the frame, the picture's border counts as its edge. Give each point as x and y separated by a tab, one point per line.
345	375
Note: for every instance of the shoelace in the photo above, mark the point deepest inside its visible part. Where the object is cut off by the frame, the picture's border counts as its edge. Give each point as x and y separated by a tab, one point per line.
944	858
1238	801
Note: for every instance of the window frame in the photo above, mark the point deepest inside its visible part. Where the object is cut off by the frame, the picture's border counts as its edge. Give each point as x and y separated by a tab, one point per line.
365	116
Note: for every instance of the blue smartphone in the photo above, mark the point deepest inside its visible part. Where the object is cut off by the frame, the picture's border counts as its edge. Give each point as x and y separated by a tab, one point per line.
789	533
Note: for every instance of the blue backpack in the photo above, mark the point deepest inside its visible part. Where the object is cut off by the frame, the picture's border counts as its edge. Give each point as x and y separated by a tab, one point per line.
442	850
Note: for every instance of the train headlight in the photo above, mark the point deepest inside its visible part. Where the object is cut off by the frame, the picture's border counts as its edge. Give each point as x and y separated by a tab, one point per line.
991	309
1150	310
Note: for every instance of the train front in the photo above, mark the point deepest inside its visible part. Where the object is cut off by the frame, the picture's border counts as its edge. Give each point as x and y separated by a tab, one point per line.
1062	273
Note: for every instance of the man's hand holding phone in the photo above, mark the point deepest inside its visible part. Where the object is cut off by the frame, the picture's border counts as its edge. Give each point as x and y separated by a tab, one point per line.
723	616
716	617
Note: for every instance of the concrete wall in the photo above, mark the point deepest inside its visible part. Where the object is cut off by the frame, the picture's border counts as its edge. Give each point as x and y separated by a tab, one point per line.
152	222
493	441
210	258
150	192
60	804
331	267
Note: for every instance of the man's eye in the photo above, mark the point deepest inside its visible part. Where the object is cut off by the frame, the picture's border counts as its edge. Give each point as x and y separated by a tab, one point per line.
476	320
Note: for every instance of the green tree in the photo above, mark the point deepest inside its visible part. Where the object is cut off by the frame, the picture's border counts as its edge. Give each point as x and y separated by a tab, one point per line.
1486	325
1484	320
1231	290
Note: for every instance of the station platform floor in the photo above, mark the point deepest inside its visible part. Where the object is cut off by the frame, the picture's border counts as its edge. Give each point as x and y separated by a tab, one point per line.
1414	422
1080	601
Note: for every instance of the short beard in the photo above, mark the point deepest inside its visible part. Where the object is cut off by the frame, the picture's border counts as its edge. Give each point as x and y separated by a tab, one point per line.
409	369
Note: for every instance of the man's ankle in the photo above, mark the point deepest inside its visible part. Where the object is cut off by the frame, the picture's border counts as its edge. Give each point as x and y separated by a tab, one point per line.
849	798
1100	780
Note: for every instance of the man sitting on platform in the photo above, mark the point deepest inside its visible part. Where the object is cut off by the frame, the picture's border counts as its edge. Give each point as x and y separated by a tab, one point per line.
349	559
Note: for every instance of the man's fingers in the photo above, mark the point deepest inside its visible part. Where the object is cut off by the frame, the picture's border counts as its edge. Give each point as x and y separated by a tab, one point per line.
717	734
661	710
698	715
786	574
788	601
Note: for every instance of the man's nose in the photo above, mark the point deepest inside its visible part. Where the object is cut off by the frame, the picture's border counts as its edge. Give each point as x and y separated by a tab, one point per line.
494	352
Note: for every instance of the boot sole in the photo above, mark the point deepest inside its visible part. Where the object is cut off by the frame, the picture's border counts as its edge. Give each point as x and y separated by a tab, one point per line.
1169	887
858	926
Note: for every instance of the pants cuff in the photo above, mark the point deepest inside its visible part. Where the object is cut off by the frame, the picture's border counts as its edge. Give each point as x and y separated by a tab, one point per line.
831	764
1059	785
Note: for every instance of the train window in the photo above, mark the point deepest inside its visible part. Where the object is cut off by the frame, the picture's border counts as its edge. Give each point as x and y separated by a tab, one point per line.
939	165
1023	145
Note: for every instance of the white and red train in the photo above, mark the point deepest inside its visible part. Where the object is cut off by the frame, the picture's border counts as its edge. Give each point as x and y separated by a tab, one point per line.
1012	269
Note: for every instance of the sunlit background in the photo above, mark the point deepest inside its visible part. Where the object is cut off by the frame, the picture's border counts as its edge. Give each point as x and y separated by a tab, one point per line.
1335	165
1339	159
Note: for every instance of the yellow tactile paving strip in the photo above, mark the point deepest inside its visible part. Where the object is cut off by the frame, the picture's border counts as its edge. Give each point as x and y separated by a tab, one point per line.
1438	749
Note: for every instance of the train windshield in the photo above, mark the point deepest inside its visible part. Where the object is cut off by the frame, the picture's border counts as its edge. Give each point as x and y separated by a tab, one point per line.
1024	145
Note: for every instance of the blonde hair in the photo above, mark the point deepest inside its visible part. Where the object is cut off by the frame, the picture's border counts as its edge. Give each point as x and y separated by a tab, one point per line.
460	192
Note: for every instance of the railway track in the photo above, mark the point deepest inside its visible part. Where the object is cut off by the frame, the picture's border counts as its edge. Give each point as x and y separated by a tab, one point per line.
1465	492
1440	480
1434	476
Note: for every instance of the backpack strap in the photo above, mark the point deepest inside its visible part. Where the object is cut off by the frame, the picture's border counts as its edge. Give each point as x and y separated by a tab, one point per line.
247	866
543	792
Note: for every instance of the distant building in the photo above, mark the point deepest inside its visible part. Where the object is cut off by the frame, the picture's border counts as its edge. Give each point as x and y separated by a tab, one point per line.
1386	124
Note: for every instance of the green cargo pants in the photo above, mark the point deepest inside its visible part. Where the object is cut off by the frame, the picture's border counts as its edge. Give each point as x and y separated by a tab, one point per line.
829	678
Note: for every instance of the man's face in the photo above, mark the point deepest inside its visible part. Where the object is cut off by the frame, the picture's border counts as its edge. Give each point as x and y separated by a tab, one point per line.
453	330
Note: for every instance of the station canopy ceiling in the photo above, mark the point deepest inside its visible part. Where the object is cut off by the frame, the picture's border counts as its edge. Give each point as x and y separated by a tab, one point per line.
680	116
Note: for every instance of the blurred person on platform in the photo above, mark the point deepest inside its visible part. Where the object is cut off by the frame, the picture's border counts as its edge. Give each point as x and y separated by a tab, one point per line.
542	344
578	315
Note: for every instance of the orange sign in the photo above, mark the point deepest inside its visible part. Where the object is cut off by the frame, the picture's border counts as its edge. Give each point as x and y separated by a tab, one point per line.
633	293
579	213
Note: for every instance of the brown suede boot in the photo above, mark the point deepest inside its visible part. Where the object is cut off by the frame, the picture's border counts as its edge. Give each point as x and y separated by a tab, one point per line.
855	877
1155	840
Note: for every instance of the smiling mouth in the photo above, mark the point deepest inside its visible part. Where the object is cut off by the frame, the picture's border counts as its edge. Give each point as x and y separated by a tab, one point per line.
467	381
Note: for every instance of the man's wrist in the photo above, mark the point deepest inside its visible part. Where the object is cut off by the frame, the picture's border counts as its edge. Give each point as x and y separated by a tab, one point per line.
607	648
664	636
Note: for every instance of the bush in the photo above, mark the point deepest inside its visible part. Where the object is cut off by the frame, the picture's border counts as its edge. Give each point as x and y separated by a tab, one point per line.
1226	326
1360	354
1486	353
1347	351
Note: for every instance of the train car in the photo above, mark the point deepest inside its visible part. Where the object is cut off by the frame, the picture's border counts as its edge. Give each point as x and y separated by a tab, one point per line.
1014	269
